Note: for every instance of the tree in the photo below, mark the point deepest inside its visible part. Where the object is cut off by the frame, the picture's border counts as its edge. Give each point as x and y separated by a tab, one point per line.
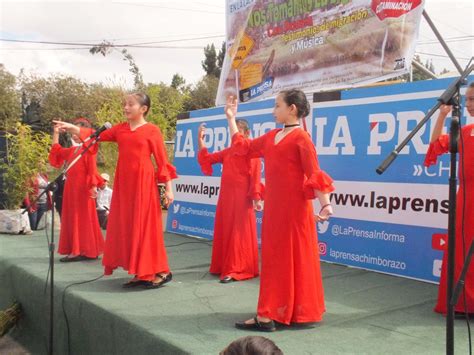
209	64
9	100
27	152
166	104
212	63
203	94
178	82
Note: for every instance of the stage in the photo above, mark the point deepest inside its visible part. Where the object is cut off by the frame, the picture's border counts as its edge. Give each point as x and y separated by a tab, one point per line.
367	313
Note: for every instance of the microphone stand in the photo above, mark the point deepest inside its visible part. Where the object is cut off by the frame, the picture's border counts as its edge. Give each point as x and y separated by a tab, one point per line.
52	186
450	96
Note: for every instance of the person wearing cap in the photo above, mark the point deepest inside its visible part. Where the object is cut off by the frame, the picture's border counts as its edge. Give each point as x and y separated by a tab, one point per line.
80	236
104	196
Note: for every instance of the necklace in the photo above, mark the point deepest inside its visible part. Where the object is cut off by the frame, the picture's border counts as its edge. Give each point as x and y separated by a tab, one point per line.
291	125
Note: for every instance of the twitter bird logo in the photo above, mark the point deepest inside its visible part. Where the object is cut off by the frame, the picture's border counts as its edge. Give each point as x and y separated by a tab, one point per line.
176	208
323	227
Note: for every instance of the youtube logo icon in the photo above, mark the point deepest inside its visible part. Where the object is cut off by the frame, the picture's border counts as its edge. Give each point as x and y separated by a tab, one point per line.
439	241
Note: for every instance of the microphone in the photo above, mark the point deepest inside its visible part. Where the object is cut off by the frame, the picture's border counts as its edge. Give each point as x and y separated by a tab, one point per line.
106	125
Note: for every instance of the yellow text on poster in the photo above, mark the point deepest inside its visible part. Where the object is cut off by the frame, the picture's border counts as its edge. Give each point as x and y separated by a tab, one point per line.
250	75
245	45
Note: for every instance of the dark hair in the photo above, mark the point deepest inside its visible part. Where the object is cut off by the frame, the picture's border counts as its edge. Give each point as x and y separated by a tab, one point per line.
143	100
252	345
297	98
243	123
471	85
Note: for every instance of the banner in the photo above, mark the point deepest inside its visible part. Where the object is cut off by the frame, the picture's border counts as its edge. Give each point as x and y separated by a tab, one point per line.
315	45
393	223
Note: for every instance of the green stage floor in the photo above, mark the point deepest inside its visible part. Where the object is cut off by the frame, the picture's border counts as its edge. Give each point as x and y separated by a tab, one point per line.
367	313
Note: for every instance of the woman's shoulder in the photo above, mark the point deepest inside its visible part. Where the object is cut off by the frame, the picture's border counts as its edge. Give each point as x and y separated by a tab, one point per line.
303	135
152	127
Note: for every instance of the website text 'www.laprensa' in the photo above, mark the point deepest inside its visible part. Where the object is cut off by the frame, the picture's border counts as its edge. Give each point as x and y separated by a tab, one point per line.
198	189
391	203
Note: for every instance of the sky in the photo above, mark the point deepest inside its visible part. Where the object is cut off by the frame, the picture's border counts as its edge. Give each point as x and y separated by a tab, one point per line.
186	25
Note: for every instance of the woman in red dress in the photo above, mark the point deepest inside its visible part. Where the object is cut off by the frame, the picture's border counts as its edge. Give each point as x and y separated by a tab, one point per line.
464	205
234	246
291	288
134	239
80	236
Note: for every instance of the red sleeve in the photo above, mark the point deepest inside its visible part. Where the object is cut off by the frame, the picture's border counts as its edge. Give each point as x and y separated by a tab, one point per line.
106	136
253	148
316	179
109	135
165	171
206	159
93	178
256	188
437	148
57	155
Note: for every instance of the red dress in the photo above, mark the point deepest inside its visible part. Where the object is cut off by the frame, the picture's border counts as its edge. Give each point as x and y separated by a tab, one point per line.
234	247
80	231
437	148
291	288
134	239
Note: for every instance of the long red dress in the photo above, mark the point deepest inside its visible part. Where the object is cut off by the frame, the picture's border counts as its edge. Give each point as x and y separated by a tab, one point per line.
234	247
80	231
134	239
466	185
291	288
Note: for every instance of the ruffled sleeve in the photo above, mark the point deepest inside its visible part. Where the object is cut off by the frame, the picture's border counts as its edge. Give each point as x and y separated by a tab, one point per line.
93	179
316	179
165	171
206	159
256	187
57	155
320	181
437	148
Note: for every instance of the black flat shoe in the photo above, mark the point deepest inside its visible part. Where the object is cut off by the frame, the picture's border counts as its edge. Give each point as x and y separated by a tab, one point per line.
133	283
258	326
227	280
68	259
154	284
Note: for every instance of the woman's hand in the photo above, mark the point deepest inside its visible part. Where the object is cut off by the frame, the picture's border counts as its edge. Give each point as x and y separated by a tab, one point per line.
93	192
231	107
324	214
258	205
62	126
169	197
445	110
201	130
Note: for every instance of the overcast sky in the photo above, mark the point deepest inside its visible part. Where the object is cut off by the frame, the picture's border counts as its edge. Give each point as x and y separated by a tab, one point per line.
130	22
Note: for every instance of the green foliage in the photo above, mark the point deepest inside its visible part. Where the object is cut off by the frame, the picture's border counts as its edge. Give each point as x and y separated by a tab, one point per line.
209	64
212	63
203	95
166	104
178	82
27	152
9	100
